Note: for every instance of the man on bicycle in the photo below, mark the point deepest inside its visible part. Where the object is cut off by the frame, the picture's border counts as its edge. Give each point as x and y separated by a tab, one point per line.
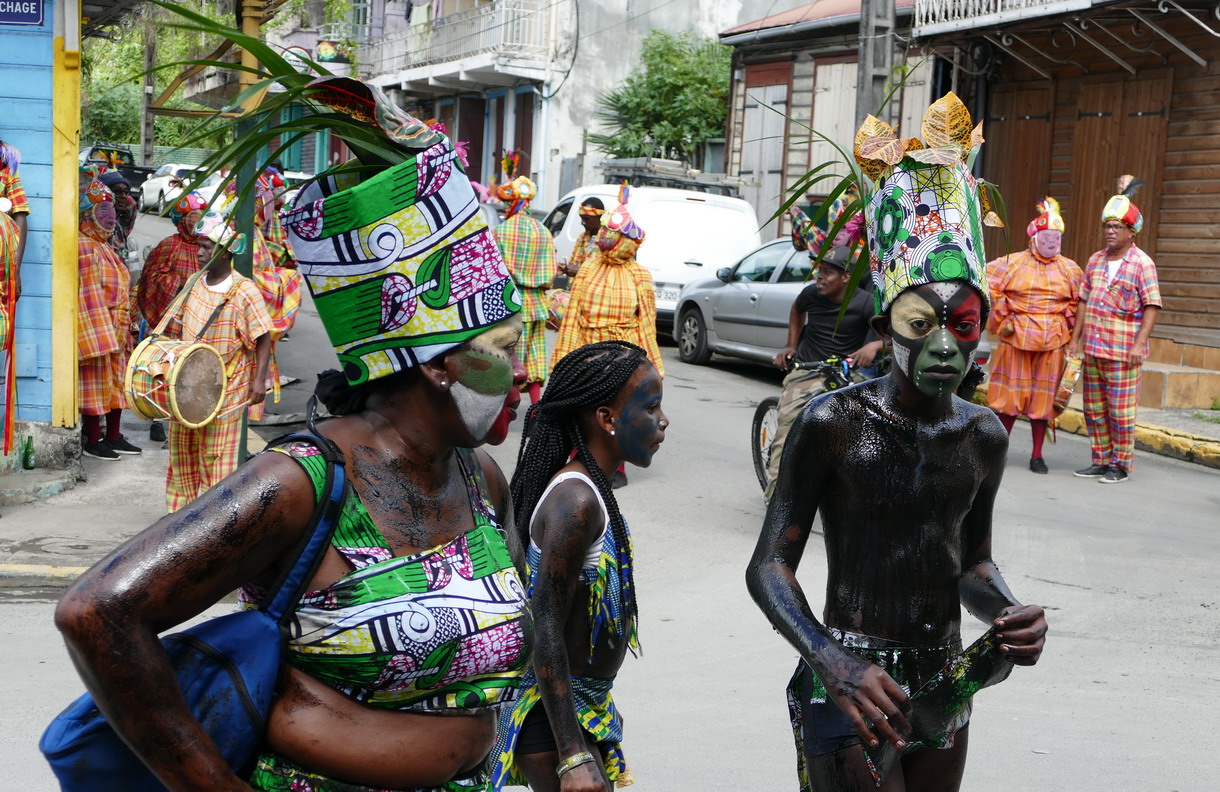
815	334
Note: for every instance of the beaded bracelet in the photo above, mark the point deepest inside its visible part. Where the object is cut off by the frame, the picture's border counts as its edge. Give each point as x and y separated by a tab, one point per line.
573	761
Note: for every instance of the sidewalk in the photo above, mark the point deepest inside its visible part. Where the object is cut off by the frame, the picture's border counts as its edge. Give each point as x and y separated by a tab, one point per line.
1187	434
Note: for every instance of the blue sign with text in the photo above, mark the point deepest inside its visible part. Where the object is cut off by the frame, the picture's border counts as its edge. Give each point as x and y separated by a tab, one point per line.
21	12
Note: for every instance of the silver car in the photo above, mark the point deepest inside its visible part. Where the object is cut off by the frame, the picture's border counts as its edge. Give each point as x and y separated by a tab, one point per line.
743	311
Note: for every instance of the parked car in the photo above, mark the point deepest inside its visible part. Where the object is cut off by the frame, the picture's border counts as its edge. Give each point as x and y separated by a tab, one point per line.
167	184
688	234
116	157
743	311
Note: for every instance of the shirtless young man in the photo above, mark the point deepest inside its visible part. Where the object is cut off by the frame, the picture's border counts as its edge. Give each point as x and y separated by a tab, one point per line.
905	475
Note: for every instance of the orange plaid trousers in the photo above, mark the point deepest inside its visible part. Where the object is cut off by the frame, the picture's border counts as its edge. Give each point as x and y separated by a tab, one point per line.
199	458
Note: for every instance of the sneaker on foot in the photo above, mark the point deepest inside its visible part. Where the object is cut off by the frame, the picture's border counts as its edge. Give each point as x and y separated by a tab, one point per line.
156	432
1038	465
1092	471
1115	475
100	450
121	446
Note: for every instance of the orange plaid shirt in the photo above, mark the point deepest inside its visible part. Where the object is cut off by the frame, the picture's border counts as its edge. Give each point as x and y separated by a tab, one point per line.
234	334
103	300
1036	298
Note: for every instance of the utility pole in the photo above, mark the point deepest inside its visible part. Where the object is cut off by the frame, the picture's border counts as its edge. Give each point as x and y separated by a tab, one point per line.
876	62
146	99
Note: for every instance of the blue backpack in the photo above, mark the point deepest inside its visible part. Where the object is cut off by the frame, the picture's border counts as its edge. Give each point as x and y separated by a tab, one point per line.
227	667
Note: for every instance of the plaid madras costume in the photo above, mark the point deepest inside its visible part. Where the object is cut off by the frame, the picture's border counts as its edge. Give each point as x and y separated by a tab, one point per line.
613	299
10	188
169	265
1038	299
529	254
281	290
1112	320
102	327
201	457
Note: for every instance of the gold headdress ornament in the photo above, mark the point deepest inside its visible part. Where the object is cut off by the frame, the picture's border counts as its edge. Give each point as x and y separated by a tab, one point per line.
926	212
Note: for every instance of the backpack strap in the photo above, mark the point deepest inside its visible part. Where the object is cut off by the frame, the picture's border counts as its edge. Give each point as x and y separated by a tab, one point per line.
291	584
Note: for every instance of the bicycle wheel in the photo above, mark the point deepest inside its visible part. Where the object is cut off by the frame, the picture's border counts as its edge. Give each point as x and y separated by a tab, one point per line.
762	432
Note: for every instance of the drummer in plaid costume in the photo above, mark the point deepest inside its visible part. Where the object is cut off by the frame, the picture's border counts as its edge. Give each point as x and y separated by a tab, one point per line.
529	253
613	298
102	324
1034	297
241	334
1122	299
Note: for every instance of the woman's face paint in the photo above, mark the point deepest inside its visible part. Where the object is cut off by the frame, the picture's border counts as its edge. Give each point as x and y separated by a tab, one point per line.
641	423
936	330
486	373
105	215
1048	243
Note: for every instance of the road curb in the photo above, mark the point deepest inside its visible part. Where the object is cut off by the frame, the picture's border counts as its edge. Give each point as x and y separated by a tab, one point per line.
38	575
1162	440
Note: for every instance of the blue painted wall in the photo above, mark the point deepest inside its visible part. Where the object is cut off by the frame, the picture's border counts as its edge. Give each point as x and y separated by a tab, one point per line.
26	59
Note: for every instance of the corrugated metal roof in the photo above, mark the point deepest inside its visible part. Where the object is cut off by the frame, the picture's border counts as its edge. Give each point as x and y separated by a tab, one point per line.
824	11
98	16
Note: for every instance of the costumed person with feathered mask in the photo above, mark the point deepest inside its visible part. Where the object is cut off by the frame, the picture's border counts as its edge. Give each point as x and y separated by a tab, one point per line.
1034	295
529	253
14	211
224	310
102	323
1122	299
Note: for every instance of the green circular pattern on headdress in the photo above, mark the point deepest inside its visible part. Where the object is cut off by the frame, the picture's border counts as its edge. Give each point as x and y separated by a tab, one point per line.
947	261
354	369
889	217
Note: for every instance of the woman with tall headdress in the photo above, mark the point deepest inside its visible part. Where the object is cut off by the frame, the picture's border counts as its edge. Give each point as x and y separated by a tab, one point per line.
417	608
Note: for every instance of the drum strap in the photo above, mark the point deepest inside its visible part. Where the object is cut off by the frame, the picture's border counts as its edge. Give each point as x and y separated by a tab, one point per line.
177	305
213	317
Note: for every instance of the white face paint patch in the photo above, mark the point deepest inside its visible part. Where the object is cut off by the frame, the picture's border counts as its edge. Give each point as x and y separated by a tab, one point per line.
945	290
902	356
478	410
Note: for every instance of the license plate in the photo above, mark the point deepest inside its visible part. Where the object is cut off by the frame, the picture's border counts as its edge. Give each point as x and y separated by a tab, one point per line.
667	295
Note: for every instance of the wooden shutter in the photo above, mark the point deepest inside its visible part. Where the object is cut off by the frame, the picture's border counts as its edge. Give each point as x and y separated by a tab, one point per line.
1017	159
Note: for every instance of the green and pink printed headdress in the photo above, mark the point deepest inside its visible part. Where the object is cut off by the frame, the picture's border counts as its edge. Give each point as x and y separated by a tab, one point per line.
924	219
401	263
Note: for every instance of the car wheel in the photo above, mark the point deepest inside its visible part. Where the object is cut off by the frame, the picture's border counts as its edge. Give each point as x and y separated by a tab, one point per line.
692	338
140	202
161	203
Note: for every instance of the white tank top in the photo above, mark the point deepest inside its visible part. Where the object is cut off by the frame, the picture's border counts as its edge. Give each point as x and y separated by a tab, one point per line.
595	549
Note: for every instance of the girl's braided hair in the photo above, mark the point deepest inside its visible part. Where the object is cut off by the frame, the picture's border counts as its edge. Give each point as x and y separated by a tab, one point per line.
585	379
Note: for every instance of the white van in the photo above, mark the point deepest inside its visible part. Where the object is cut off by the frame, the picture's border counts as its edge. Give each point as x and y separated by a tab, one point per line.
688	235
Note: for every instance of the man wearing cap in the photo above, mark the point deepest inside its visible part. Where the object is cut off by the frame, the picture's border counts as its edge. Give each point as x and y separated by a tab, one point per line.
125	209
904	475
1034	296
814	334
226	311
1122	300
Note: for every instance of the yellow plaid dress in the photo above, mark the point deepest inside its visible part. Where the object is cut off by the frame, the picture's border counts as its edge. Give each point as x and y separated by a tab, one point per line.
613	299
199	458
10	238
529	254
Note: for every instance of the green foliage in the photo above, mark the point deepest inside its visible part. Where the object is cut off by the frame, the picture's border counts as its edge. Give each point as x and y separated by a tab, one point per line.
674	101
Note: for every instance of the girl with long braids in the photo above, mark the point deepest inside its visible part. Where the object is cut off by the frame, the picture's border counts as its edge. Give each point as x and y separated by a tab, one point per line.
601	407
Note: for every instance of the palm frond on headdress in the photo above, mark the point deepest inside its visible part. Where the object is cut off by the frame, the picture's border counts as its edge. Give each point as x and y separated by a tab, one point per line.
378	133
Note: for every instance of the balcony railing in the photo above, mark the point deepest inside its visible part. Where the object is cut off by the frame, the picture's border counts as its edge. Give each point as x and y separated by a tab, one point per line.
512	27
941	16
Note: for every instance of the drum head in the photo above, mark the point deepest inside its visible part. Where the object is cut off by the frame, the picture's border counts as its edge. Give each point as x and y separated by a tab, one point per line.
198	386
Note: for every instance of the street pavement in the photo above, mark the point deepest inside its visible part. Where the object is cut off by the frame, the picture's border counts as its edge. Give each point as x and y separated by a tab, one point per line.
1120	701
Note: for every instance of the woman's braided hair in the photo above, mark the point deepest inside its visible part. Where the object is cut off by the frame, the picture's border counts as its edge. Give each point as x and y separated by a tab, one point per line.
585	379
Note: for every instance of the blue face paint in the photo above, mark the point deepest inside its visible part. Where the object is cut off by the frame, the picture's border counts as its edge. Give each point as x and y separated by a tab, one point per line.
641	423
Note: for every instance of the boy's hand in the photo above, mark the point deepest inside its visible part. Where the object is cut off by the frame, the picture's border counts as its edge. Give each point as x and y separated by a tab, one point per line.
866	694
1022	632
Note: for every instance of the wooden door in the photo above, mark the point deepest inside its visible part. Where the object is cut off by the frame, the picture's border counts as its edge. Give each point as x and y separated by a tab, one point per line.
1144	125
1017	159
762	151
1096	137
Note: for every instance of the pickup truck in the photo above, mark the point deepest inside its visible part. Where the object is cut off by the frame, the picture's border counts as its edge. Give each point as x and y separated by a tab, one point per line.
116	156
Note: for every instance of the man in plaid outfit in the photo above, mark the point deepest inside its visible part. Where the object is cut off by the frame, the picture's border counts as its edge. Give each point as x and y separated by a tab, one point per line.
529	252
241	334
1120	303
